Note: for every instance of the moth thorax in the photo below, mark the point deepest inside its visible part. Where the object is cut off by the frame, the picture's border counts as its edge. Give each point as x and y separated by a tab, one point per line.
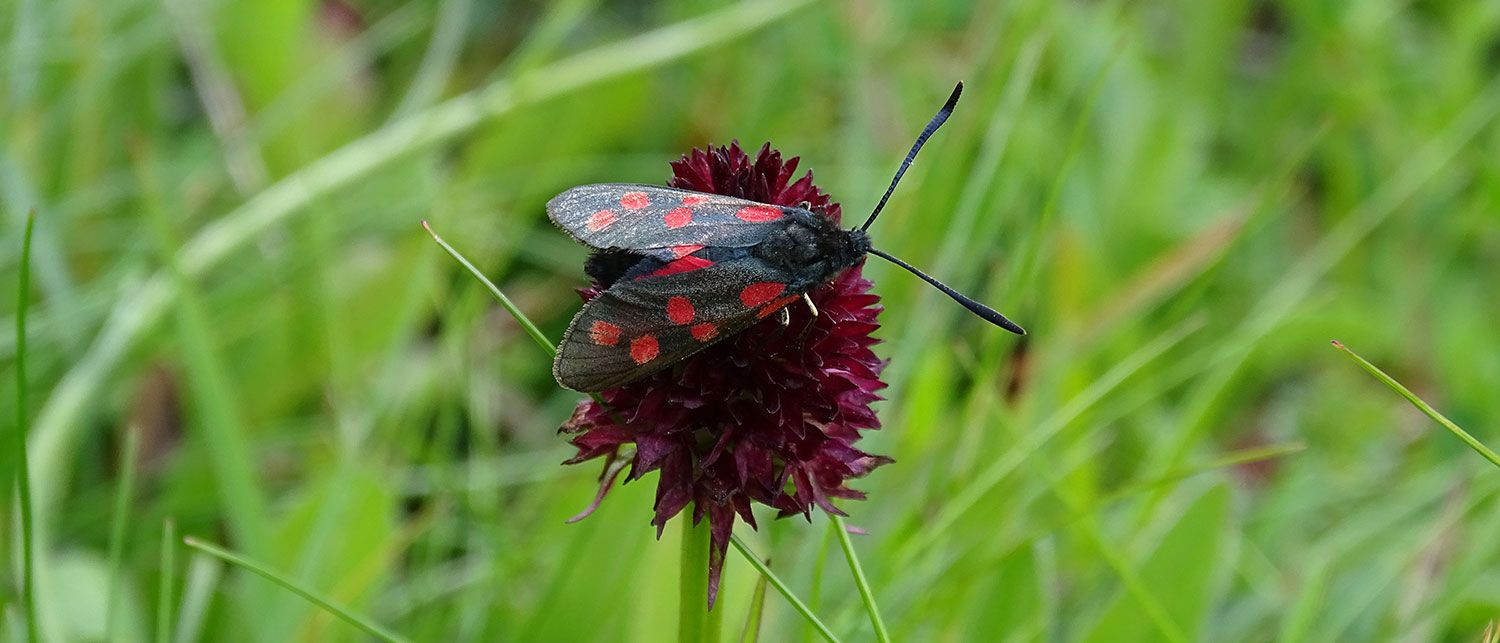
812	247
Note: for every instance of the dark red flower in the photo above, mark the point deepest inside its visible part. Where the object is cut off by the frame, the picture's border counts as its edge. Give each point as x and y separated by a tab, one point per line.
768	416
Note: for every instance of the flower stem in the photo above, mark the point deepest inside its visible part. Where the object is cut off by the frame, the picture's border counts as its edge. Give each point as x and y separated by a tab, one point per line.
881	634
696	621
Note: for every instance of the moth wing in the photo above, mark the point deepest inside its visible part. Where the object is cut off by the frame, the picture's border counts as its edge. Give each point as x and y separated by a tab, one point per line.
648	217
640	326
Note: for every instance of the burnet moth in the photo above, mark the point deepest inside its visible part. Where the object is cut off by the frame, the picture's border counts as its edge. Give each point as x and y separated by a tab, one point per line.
682	270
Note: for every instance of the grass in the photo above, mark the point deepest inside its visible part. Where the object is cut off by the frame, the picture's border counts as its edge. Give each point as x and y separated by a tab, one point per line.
1421	405
355	620
232	322
19	431
857	572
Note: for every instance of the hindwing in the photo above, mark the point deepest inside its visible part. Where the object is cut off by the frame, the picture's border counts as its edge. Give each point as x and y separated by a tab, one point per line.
641	325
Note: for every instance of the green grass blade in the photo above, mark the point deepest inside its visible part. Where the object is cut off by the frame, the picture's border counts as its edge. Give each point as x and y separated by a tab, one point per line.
1422	406
1248	455
198	590
1027	262
815	587
1421	166
781	588
442	54
23	469
505	302
117	531
364	624
751	633
168	573
218	416
1177	578
975	489
858	571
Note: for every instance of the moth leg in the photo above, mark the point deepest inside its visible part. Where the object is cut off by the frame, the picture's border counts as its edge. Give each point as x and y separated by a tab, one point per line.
783	320
807	328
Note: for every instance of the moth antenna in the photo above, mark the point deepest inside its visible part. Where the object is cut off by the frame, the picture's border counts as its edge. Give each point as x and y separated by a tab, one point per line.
989	314
936	122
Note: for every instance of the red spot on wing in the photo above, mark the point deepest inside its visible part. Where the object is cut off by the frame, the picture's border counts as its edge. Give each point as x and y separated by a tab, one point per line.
601	220
679	252
678	217
604	333
775	306
704	331
634	200
759	213
644	349
759	293
685	264
694	199
680	310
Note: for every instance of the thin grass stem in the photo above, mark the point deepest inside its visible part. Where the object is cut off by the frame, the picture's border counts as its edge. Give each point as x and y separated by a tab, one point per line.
751	632
168	571
505	302
855	568
364	624
1421	405
23	469
820	564
117	532
782	588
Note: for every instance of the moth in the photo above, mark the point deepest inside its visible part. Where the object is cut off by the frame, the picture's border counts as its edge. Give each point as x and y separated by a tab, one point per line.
683	270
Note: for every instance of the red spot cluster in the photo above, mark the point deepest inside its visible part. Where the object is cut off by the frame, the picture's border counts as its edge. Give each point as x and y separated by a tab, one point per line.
678	217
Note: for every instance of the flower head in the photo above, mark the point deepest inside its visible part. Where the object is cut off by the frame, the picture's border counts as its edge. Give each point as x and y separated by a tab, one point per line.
768	416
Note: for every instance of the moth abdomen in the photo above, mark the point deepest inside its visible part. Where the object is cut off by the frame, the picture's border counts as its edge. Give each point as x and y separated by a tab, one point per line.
606	267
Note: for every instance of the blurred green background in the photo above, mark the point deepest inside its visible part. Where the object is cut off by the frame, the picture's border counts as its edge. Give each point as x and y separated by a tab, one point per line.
1182	200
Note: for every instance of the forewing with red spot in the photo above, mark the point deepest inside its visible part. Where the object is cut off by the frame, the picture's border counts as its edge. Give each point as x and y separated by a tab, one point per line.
651	220
639	326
